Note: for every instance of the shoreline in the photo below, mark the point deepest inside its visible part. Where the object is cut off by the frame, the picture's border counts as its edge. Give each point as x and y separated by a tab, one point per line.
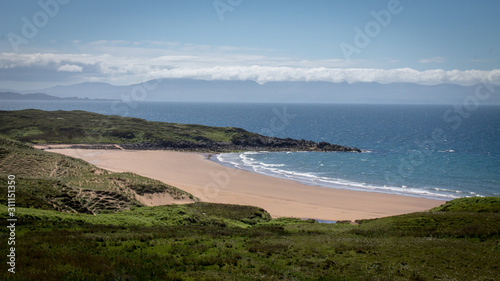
213	182
340	186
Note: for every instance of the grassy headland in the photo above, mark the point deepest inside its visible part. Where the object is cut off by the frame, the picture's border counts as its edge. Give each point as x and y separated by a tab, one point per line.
80	127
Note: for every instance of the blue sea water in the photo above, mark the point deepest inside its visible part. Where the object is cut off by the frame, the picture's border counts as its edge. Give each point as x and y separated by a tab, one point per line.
432	151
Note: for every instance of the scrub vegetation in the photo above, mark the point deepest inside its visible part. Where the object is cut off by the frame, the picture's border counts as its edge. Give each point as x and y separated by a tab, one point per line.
203	241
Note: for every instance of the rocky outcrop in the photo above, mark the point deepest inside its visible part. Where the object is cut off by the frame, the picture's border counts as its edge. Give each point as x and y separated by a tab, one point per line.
115	132
257	143
288	144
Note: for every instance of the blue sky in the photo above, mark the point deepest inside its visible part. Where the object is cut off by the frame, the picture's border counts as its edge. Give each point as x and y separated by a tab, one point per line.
125	42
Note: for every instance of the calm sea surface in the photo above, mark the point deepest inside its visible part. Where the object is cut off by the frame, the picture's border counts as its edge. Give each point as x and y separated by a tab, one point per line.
417	150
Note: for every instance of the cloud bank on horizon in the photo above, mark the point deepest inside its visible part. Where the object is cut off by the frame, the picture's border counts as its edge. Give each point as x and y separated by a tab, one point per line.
52	42
128	70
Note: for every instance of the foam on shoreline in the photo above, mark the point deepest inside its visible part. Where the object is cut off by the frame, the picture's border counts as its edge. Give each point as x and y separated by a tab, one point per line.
245	162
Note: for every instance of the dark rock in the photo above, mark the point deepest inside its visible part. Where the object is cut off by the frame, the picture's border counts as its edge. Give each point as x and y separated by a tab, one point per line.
253	143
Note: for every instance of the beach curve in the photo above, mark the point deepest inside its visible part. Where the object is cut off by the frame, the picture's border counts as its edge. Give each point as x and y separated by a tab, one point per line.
213	182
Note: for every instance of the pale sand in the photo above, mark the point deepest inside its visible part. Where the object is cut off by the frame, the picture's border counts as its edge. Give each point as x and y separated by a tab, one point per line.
157	199
212	182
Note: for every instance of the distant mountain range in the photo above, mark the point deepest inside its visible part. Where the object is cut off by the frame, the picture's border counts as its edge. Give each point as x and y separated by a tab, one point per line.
37	96
191	90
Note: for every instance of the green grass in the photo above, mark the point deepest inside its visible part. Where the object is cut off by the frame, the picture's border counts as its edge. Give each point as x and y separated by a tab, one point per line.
80	222
480	226
33	126
74	127
188	214
203	241
56	182
471	205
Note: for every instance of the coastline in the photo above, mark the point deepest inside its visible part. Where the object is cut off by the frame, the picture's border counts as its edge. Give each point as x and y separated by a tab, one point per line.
214	182
328	183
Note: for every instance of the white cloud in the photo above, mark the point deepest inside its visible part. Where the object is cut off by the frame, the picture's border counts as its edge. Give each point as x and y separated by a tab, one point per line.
70	68
433	60
391	60
263	74
124	70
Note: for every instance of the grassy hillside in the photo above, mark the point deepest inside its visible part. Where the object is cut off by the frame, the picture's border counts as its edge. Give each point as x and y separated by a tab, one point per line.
56	182
477	218
37	126
79	127
204	241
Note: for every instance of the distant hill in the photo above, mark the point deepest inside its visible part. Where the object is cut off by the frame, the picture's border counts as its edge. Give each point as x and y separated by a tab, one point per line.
36	96
91	90
192	90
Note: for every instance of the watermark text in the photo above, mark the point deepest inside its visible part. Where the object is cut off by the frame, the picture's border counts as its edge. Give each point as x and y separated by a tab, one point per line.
11	209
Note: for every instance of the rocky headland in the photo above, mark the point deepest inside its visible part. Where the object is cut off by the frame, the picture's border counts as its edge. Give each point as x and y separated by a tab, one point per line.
80	129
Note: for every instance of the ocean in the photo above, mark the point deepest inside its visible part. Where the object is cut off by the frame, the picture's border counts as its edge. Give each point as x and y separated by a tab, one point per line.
431	151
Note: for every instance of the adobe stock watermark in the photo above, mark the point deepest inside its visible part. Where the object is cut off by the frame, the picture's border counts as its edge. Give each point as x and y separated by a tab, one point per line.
128	101
454	117
11	220
223	6
363	37
278	122
220	180
131	99
30	27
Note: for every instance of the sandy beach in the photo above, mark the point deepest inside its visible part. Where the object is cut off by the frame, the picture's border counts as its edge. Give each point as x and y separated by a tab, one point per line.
212	182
